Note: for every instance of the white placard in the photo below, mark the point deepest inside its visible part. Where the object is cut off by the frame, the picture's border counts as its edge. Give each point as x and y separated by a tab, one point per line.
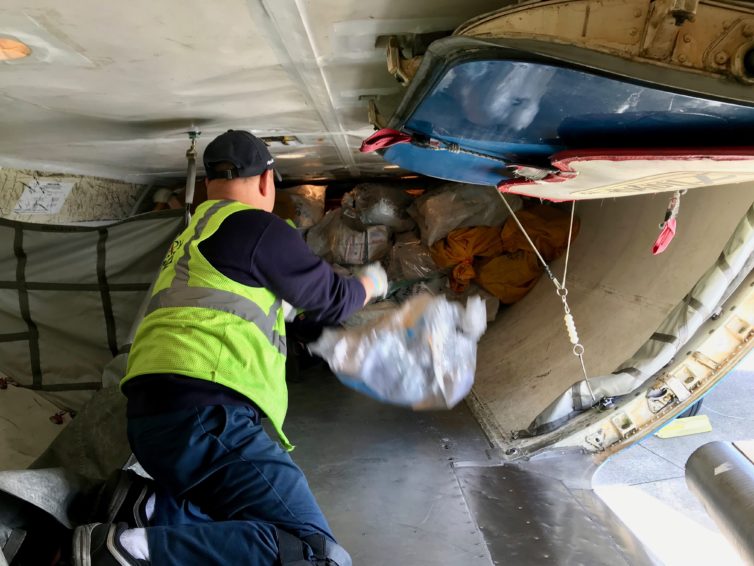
43	196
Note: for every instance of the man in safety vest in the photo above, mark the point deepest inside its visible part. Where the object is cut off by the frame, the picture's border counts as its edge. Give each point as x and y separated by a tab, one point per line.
207	362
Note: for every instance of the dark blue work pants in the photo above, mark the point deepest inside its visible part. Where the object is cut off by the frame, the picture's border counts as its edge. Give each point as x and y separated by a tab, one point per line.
224	486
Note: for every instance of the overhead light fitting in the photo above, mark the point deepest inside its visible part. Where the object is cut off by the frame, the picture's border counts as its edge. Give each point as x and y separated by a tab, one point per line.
11	49
297	155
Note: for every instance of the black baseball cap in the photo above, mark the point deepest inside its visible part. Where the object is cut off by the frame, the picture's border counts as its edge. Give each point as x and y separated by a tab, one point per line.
248	154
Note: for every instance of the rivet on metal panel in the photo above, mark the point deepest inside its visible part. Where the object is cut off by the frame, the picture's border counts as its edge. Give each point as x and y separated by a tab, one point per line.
682	58
686	38
721	57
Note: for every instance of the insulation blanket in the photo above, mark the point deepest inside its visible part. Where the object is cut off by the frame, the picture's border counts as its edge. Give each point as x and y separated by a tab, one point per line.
681	324
422	355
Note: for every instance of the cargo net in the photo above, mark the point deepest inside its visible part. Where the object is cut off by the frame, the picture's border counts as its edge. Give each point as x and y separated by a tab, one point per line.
69	298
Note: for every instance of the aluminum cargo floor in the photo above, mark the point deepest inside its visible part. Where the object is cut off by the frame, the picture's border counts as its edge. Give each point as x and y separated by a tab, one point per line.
384	476
413	488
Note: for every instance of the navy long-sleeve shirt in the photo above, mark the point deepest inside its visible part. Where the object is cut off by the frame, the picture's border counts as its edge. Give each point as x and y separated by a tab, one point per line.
258	249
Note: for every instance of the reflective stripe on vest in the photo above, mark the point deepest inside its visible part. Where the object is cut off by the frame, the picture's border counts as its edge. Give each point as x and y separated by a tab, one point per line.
179	294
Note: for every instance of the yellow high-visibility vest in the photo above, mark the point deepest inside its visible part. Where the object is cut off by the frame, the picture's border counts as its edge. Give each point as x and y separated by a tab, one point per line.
202	324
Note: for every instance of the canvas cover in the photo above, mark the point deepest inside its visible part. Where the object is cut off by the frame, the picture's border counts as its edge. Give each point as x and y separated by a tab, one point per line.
69	296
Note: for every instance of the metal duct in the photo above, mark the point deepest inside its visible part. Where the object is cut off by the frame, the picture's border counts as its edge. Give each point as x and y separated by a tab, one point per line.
721	476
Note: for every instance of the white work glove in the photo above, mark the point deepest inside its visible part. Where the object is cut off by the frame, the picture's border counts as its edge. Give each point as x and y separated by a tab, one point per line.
289	313
376	274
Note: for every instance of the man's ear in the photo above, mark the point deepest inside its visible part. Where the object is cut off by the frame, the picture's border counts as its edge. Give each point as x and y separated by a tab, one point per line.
266	182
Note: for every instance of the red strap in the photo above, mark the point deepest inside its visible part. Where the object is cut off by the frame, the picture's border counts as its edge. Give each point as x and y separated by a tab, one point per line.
382	139
665	237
